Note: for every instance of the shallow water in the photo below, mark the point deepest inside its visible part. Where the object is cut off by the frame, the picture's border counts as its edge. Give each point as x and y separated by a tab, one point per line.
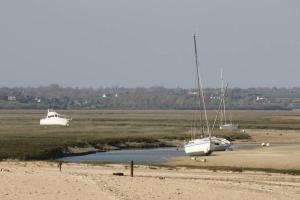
142	156
158	155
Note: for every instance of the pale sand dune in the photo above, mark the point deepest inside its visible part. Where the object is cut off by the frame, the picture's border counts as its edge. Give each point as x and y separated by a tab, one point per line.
42	180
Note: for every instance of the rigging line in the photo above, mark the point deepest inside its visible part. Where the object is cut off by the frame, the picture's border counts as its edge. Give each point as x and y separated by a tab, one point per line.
229	111
223	99
219	110
220	107
224	106
200	89
197	98
195	110
198	94
198	112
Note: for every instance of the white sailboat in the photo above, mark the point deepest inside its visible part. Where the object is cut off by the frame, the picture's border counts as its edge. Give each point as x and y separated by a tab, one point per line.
229	126
224	125
201	146
53	118
220	144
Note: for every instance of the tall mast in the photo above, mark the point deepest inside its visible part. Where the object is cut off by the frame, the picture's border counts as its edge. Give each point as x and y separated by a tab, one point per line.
200	88
221	99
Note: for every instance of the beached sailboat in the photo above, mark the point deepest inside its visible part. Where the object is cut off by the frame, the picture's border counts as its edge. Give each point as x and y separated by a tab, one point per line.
224	125
53	118
201	146
220	144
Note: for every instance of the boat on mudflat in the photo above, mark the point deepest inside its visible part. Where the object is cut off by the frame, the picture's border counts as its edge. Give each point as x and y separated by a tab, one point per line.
200	146
54	118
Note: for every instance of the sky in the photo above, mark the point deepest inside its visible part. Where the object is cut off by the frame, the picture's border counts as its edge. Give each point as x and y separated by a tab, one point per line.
144	43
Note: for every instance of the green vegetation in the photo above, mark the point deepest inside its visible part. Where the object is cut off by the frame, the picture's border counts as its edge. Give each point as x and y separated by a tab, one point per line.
22	137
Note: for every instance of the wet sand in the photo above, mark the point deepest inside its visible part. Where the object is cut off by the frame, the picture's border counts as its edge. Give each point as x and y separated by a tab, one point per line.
276	157
43	180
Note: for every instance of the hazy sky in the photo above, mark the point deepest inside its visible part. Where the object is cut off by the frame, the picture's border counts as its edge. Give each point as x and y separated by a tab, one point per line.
149	42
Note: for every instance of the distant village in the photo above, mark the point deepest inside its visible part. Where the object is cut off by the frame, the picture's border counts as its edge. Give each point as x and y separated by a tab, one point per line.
55	96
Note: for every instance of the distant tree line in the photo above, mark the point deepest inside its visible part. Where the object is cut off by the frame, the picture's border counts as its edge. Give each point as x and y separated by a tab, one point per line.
58	97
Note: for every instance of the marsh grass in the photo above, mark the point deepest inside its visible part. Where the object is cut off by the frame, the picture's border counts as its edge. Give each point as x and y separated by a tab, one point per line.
22	137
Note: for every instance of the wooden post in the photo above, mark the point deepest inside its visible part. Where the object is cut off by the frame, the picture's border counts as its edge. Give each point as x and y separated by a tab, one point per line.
59	165
131	169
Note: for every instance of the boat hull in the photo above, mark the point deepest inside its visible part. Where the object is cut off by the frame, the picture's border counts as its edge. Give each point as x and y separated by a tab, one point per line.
229	127
54	122
220	144
199	147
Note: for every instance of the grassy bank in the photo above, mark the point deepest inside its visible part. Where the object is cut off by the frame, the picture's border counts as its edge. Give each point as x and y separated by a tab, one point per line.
22	137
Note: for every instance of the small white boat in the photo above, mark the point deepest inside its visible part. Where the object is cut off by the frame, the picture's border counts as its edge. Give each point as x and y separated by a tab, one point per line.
220	144
224	125
229	126
53	118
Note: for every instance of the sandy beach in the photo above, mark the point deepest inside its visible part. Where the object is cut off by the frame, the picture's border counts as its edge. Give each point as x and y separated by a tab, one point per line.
43	180
285	157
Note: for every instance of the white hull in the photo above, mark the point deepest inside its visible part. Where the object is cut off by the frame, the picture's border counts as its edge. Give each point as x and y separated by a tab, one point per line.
53	118
229	127
220	144
199	147
54	121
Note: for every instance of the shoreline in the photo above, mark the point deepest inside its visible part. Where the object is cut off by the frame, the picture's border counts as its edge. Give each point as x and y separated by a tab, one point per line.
80	151
284	159
32	180
257	136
